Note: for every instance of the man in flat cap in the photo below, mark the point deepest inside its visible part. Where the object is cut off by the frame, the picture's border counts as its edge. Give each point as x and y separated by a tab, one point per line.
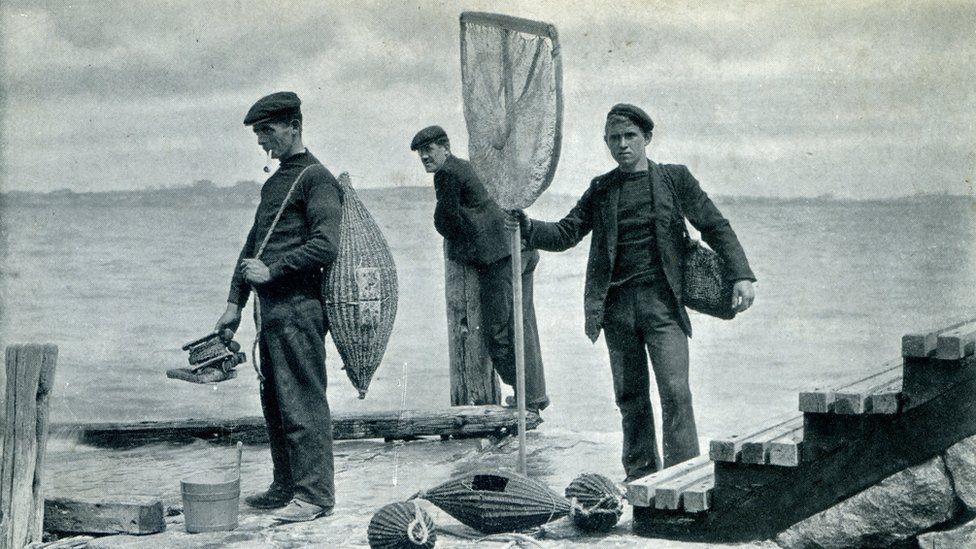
633	283
474	228
294	237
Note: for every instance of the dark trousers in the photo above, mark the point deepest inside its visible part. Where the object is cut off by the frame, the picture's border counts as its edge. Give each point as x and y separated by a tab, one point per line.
293	397
640	321
498	320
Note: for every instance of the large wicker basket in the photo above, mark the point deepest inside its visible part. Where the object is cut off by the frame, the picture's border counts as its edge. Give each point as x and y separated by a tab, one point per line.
360	291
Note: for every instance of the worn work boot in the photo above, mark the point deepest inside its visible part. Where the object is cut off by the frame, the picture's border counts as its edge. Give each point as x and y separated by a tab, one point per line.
534	407
301	511
274	498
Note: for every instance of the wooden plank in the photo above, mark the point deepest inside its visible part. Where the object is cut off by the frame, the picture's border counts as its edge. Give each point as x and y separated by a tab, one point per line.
135	515
730	448
926	378
757	450
787	450
752	502
640	493
697	498
886	399
458	421
669	494
473	380
958	343
850	396
922	344
30	378
517	24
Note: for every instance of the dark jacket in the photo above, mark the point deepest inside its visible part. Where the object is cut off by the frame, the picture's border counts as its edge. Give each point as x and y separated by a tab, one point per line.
467	217
597	211
306	238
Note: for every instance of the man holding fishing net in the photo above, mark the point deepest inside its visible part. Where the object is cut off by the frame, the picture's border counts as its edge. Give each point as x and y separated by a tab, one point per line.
474	227
633	282
294	237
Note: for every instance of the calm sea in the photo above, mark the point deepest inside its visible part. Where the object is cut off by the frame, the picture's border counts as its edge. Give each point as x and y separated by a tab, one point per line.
120	289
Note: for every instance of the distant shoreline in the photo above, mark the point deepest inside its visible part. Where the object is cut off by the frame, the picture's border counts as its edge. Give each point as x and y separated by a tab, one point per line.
247	193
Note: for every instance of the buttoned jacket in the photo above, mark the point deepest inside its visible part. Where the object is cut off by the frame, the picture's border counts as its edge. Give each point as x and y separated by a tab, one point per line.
596	211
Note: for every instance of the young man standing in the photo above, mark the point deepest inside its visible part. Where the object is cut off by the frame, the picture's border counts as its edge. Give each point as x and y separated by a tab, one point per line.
633	282
294	237
474	228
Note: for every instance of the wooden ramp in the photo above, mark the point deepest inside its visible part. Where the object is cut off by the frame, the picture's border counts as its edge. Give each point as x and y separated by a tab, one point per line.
846	438
457	421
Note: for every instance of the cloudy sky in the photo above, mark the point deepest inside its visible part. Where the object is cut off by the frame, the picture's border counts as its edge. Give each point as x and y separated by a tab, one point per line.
857	99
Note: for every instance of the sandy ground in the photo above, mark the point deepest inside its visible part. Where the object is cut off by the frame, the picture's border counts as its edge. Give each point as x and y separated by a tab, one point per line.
369	474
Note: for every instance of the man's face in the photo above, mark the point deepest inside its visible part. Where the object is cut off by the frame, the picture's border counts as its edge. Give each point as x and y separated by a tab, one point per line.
627	143
276	138
433	156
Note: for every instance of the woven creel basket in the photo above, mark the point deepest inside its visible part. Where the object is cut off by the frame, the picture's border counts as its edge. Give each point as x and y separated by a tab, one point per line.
360	291
497	501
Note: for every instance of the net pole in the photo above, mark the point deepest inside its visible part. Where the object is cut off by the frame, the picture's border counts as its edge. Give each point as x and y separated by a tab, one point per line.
519	344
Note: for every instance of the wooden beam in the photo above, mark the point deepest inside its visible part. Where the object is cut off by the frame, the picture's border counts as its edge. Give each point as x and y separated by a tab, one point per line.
851	397
30	378
730	448
641	492
459	421
135	515
758	449
927	378
473	380
958	343
752	502
923	343
671	494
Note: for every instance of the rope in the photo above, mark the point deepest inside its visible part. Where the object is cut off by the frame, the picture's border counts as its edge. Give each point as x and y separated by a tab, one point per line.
419	523
255	359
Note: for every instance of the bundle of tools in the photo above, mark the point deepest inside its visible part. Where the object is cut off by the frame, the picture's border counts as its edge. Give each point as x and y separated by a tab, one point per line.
212	358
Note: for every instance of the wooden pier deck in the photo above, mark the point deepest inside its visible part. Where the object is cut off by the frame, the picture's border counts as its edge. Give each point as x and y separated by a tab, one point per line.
846	438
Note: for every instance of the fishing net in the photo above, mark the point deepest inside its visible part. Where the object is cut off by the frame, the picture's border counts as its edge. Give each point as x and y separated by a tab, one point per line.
511	82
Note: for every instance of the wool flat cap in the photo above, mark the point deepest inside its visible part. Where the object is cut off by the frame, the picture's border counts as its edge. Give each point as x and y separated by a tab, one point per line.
276	105
426	135
634	114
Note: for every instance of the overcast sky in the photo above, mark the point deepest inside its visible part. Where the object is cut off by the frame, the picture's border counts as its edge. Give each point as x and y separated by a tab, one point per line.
858	99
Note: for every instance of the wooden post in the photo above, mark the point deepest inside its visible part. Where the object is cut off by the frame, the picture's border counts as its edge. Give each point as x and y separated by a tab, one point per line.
473	380
30	377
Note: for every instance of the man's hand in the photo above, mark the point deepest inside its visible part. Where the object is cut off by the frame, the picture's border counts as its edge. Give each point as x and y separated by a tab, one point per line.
517	219
255	271
743	295
230	320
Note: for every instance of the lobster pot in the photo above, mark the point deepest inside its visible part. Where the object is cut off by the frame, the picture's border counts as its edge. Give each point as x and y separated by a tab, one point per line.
494	502
401	525
596	502
360	291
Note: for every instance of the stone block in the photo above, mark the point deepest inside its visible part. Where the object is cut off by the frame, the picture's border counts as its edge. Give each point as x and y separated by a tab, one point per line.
895	509
960	459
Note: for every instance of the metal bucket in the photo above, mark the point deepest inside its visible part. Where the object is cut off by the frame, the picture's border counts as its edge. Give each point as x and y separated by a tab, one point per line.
210	504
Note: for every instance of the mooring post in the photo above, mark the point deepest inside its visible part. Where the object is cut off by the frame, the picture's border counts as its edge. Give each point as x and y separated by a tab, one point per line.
30	377
473	381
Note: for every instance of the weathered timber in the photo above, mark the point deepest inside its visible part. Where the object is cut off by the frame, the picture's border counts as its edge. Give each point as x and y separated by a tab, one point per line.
135	515
957	343
751	502
473	380
641	492
671	494
730	448
459	421
887	398
30	378
853	396
757	450
697	497
924	343
926	378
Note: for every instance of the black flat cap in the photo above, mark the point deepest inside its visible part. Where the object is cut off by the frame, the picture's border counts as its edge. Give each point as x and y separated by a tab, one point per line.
426	135
634	114
277	105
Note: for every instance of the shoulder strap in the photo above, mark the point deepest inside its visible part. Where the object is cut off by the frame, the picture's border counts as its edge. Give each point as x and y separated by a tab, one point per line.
281	210
669	183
